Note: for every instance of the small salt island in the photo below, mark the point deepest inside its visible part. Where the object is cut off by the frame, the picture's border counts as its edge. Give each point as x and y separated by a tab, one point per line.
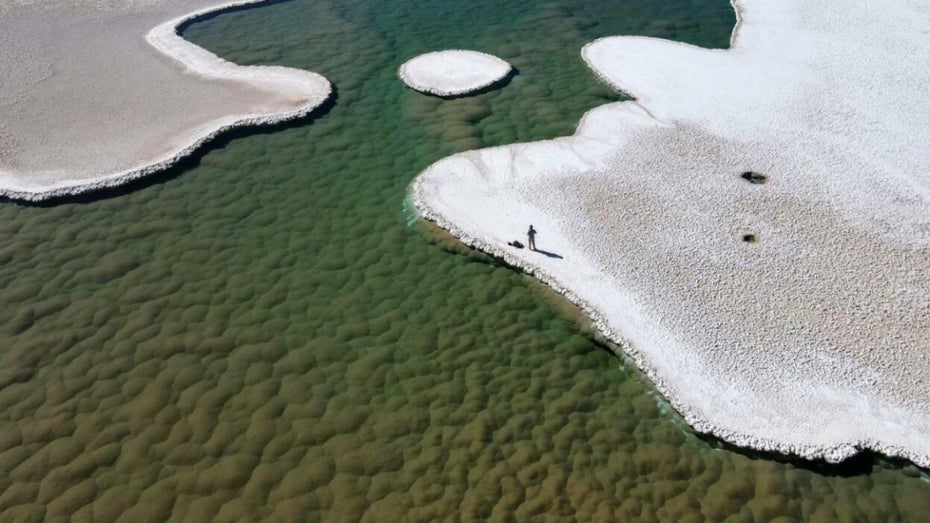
453	72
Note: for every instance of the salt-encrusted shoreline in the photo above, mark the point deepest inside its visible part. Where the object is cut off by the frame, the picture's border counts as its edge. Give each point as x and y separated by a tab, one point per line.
832	453
811	342
302	91
453	72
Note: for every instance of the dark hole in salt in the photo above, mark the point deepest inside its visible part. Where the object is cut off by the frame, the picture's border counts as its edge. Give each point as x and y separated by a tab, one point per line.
754	177
749	238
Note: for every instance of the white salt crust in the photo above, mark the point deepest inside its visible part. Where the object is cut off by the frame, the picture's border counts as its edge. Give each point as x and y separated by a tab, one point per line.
288	94
813	341
453	72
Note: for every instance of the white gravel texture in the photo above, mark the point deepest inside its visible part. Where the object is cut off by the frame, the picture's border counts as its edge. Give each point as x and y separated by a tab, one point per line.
453	72
96	93
814	340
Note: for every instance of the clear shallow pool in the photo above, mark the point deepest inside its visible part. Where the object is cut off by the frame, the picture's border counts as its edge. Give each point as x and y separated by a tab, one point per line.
262	334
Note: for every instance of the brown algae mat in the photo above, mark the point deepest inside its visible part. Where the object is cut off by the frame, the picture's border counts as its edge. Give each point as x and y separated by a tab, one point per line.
259	334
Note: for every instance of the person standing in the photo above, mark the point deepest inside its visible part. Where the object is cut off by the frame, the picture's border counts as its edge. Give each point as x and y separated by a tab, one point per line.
531	237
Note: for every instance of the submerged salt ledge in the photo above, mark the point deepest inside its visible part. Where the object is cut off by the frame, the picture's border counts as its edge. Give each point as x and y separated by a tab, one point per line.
453	72
813	341
290	93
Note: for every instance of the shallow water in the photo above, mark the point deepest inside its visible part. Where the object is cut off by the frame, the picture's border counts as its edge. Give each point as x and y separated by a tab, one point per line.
267	333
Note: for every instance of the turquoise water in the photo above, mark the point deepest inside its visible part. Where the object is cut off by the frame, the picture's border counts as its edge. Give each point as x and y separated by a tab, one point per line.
266	332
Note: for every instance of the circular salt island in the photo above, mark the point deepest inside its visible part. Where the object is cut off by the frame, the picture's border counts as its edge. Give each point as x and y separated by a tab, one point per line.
453	72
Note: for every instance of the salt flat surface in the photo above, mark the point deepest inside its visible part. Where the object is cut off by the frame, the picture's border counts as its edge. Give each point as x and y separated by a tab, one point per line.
453	72
813	340
96	93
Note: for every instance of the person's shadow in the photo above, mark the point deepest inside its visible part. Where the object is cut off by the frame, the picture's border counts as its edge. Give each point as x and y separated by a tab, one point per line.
549	254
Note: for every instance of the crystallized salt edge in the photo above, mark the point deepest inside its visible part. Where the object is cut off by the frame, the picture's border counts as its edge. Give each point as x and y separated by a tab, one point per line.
413	84
831	453
166	39
834	453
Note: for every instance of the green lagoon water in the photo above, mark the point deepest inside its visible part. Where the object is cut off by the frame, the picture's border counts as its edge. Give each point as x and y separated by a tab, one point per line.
266	333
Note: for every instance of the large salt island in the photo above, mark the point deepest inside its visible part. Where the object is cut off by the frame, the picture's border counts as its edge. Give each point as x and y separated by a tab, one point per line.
753	229
94	94
454	72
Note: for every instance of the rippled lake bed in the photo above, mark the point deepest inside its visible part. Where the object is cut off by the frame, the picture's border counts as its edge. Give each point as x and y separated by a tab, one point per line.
267	331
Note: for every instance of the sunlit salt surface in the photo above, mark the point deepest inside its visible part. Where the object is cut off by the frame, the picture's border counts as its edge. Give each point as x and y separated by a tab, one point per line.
75	119
792	315
260	334
453	72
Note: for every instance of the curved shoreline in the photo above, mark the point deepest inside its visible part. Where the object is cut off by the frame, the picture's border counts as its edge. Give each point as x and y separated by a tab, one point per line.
166	40
430	206
734	35
829	453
